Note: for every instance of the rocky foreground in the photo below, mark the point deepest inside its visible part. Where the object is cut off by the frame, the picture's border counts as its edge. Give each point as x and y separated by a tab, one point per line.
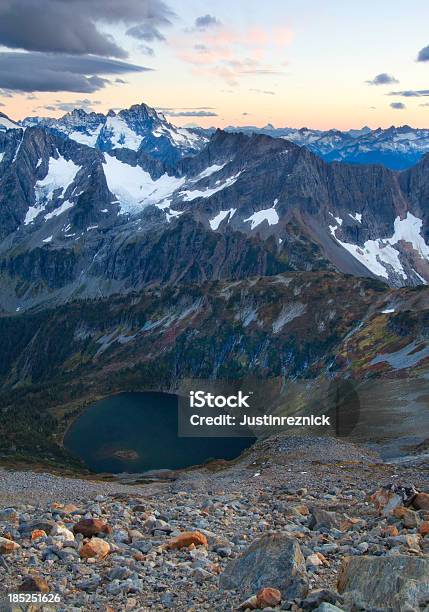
295	524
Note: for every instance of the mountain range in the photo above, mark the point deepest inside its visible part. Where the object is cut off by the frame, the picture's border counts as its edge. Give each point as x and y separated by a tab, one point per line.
395	147
92	205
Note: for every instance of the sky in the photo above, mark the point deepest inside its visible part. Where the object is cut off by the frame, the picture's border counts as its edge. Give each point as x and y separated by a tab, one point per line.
296	63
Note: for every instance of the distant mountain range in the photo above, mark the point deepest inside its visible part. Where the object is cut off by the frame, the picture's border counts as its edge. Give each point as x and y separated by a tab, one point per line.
93	204
395	147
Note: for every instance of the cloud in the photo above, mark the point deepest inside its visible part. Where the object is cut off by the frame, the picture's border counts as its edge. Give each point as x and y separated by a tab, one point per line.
1	104
424	104
410	93
383	79
191	114
146	50
70	26
206	21
397	105
263	91
231	54
67	107
245	113
30	72
147	32
200	111
423	55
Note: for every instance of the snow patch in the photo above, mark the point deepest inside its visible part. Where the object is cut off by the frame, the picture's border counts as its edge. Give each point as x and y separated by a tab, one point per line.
211	170
48	239
217	220
121	135
190	195
268	214
377	254
356	217
58	211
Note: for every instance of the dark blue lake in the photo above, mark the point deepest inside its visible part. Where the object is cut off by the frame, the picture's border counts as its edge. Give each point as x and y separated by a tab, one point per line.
135	432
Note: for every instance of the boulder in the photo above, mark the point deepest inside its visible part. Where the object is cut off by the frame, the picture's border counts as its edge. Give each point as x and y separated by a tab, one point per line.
95	548
324	519
410	518
187	538
34	584
91	527
390	583
45	525
7	546
421	501
275	559
424	528
386	500
268	598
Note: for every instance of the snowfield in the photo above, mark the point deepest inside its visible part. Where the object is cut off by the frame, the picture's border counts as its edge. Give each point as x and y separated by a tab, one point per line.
134	187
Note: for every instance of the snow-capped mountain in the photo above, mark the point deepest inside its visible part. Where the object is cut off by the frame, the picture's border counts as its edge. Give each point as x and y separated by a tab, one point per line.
395	147
139	128
93	220
7	124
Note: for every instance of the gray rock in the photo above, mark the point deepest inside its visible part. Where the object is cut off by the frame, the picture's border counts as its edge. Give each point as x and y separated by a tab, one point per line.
274	560
392	583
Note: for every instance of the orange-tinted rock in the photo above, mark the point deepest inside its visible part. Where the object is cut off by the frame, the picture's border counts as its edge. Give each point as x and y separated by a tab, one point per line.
38	533
409	517
187	538
385	501
421	501
34	584
95	548
91	527
303	510
268	597
7	546
424	528
391	531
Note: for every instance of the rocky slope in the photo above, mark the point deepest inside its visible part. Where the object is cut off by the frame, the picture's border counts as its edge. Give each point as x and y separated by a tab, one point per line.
295	524
299	326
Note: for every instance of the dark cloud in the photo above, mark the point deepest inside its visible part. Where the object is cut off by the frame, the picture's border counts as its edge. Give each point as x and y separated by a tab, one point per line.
70	26
30	72
67	107
398	105
206	21
423	55
245	113
410	93
147	32
383	79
